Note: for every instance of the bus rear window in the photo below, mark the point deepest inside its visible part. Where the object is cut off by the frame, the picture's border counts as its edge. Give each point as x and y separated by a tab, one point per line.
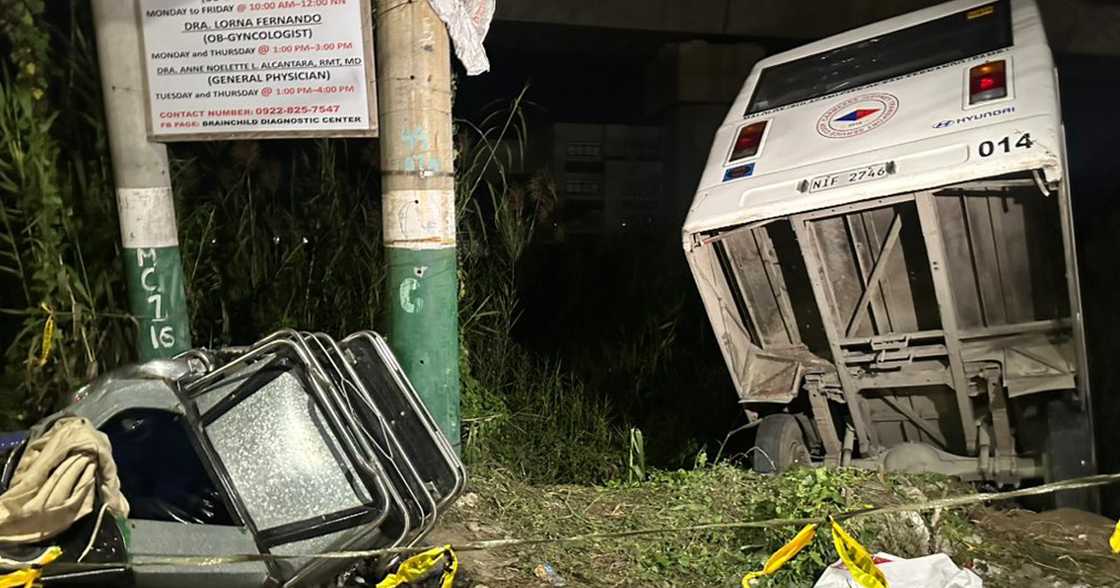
929	44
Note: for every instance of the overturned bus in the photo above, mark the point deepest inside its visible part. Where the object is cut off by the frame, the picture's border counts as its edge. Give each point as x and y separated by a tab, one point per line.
882	240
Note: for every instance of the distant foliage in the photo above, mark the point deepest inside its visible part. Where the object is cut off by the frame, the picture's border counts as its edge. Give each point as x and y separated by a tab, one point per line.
279	234
521	411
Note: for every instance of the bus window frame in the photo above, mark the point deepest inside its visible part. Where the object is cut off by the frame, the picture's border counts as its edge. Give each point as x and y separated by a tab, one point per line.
1007	28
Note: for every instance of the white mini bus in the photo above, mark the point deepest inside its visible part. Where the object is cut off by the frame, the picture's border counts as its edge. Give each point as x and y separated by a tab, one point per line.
883	243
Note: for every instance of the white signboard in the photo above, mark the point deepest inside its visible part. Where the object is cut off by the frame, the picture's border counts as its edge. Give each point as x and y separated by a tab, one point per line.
226	69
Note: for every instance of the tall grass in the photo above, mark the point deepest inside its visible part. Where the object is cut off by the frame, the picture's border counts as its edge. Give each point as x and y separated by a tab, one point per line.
284	234
273	234
522	411
58	262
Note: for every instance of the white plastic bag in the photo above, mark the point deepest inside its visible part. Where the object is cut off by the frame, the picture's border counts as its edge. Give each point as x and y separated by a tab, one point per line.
467	23
931	571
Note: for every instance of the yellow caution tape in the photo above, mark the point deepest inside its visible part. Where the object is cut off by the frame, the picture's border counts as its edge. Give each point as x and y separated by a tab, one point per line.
788	551
29	577
1114	541
859	562
422	566
982	11
857	559
48	336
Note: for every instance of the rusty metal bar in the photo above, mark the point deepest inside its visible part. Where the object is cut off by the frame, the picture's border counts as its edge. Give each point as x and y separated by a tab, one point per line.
915	418
822	415
811	254
1015	329
935	249
776	280
876	274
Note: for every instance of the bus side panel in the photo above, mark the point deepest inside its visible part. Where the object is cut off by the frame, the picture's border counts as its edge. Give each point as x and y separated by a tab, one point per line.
734	339
1006	264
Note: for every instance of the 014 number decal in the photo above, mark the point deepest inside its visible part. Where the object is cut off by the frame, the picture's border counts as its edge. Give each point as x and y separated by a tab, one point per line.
1004	145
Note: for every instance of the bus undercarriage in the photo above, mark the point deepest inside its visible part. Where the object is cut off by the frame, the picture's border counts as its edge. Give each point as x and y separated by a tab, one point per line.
929	331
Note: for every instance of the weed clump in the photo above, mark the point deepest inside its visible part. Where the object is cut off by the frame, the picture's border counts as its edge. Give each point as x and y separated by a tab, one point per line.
521	411
673	499
273	234
61	284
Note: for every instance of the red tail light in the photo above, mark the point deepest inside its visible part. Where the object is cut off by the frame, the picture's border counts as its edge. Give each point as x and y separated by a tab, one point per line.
987	82
748	141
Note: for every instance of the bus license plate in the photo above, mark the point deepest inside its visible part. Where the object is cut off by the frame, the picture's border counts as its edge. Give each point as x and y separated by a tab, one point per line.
852	176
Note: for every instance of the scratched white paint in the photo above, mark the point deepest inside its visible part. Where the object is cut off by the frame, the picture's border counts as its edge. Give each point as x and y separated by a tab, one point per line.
147	217
421	158
419	219
410	303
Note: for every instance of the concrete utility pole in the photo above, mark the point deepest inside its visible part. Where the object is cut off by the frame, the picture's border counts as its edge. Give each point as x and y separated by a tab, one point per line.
156	293
418	202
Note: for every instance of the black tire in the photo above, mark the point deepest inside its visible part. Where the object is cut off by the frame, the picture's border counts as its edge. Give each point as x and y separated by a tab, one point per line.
779	445
1069	453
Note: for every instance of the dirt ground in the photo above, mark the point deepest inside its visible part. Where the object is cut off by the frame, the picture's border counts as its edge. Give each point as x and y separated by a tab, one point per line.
1006	546
1056	548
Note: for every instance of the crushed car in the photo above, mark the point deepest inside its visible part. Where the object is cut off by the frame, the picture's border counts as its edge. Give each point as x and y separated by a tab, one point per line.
295	446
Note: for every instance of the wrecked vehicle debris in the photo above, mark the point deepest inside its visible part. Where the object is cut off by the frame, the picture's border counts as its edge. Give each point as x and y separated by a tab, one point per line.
890	291
295	446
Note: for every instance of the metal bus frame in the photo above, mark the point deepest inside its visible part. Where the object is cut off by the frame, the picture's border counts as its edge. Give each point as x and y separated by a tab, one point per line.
889	264
951	319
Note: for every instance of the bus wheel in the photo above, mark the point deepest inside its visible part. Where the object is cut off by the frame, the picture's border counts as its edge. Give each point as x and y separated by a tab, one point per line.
779	445
1069	453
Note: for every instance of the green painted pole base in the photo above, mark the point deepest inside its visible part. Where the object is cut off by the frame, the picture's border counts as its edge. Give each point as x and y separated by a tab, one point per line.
157	298
424	328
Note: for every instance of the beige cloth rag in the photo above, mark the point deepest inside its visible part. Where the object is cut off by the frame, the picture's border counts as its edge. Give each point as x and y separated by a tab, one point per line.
55	482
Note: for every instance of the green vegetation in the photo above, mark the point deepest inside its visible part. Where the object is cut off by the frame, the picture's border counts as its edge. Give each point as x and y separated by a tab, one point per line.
273	234
278	234
714	494
58	252
1008	547
521	411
